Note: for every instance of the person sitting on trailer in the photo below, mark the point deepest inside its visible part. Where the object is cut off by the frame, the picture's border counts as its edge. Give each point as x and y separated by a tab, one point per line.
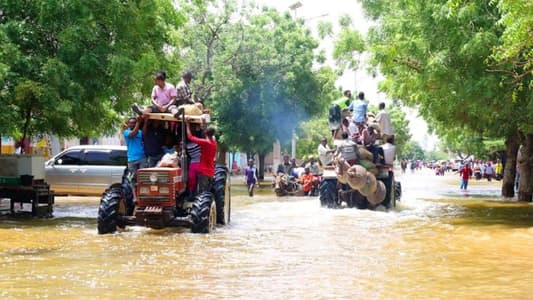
163	96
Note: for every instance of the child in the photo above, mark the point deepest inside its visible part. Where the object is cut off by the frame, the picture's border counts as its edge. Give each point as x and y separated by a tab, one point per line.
250	174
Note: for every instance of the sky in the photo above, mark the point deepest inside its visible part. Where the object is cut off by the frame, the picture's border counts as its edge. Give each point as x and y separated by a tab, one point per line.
314	11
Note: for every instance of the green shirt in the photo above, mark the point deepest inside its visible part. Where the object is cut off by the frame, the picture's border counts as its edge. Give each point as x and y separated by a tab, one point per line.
342	102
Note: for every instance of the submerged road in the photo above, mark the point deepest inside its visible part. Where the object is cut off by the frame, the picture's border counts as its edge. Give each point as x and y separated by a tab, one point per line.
440	243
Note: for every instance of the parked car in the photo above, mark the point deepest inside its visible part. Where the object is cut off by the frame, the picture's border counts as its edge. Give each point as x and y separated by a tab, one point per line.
86	169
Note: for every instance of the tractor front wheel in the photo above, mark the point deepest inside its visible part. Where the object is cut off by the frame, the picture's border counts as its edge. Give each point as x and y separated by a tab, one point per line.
109	210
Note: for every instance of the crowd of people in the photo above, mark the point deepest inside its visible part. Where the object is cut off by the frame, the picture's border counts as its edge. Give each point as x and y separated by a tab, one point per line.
154	143
350	121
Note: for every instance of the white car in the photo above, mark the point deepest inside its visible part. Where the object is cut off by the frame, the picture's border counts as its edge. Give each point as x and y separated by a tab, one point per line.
86	169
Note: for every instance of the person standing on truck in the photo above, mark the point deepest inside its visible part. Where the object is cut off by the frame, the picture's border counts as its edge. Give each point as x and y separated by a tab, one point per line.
208	151
194	154
338	110
359	107
163	96
385	124
325	154
134	141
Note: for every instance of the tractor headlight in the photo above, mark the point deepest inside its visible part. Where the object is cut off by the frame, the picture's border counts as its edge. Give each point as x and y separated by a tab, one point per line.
153	177
164	190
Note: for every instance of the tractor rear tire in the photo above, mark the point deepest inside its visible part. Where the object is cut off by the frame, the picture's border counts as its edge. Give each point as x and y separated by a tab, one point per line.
219	192
203	213
397	191
108	211
328	193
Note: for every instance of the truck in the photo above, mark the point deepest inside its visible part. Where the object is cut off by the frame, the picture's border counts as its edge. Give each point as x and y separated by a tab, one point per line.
362	184
22	181
160	199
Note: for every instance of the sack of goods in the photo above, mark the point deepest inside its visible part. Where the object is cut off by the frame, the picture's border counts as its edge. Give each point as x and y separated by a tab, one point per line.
379	195
364	154
191	109
357	177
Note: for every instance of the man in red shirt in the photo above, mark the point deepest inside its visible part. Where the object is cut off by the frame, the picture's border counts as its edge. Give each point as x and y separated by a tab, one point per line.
465	173
208	150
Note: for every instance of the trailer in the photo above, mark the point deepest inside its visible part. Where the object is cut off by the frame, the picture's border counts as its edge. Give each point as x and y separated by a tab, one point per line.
22	182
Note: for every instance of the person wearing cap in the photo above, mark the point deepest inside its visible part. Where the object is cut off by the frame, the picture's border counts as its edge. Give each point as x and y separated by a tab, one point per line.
163	96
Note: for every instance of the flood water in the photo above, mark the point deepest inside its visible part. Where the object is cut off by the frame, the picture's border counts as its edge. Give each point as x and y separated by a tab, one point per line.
439	243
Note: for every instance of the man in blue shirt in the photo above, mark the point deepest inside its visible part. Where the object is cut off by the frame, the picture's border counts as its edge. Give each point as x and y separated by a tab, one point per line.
359	107
134	141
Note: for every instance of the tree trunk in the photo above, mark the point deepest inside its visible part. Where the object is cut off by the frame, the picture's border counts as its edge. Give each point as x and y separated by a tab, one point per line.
221	155
525	164
509	171
262	166
25	133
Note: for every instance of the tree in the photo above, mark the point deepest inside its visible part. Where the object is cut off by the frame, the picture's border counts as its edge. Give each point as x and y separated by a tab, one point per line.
70	67
260	77
414	151
348	45
437	56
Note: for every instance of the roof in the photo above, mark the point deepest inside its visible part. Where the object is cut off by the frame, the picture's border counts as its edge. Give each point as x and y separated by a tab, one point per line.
99	147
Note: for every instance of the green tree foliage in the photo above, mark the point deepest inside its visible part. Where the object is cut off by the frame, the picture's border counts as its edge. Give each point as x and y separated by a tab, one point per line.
414	151
348	45
517	48
69	67
259	76
437	56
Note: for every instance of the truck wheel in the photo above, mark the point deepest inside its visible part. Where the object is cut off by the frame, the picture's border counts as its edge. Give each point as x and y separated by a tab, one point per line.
203	213
219	192
397	191
108	211
328	193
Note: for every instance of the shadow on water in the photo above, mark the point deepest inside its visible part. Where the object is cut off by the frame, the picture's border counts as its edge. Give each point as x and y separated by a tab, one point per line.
487	211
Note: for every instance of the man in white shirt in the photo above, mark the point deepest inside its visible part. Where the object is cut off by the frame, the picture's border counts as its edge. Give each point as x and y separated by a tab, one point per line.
385	124
325	154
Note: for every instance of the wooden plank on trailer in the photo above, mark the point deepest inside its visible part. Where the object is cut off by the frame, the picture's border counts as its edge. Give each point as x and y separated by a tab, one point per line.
170	117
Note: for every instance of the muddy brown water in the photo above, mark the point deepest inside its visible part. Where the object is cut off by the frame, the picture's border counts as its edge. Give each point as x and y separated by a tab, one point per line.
439	243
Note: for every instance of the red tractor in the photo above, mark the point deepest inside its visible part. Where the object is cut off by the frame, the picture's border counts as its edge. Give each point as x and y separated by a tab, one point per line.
160	198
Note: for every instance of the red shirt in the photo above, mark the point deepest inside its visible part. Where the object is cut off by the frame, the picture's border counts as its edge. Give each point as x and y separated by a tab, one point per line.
465	172
208	152
307	181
